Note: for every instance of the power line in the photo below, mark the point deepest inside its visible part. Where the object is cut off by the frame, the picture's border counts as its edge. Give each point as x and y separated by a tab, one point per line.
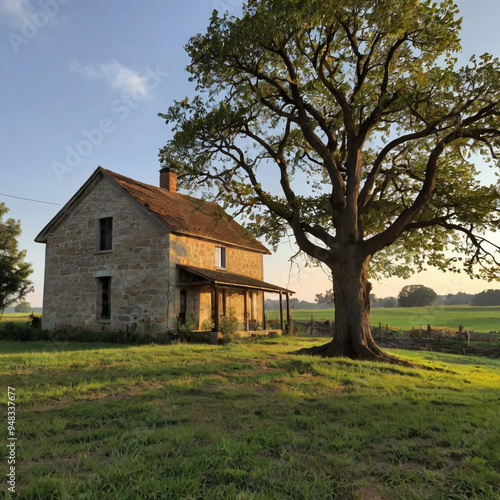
29	199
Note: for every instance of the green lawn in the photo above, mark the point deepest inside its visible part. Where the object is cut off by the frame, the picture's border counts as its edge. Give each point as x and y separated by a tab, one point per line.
251	421
479	319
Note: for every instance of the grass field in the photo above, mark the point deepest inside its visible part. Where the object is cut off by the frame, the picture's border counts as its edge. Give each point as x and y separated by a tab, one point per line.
17	316
479	319
249	421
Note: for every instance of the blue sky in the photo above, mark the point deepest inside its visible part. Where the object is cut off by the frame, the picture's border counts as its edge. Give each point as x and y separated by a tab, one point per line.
82	84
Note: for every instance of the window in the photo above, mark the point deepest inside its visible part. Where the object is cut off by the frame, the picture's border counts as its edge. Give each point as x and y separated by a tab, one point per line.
220	257
104	298
106	233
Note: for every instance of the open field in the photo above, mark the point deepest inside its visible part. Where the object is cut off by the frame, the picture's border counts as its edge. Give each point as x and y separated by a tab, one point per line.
479	319
249	420
17	316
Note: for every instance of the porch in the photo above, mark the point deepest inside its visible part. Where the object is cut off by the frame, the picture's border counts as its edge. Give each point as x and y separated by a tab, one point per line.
209	295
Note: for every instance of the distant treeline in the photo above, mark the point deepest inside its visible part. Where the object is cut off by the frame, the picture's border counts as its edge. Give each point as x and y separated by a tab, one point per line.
296	304
37	310
485	298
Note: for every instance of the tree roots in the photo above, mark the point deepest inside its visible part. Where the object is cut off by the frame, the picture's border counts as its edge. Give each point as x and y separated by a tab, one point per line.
329	350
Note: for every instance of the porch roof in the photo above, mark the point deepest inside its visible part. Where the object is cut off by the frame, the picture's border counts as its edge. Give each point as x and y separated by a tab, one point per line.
223	278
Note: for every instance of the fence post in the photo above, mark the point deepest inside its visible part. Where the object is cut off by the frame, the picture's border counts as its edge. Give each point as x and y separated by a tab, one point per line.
312	324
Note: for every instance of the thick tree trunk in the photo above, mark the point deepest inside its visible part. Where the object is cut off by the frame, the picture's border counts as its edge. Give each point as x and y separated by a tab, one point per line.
352	335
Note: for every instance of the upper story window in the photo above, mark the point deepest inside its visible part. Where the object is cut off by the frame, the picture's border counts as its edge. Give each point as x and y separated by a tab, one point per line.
220	257
106	233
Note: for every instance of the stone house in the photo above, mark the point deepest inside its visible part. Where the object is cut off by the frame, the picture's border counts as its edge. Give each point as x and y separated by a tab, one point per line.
122	253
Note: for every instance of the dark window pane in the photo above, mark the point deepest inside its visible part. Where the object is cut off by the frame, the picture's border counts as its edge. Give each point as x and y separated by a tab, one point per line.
223	258
220	257
105	297
106	233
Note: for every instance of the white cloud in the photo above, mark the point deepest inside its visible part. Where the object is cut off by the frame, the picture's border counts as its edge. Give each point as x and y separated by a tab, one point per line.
119	77
15	10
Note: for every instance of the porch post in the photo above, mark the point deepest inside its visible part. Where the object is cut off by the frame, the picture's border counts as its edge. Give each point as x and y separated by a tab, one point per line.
287	312
245	311
264	325
281	311
216	309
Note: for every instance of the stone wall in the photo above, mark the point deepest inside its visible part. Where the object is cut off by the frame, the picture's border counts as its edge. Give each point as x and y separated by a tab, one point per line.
201	253
236	301
137	265
144	292
204	312
199	305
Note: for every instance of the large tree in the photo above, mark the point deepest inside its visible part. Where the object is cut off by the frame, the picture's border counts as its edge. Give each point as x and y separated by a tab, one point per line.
347	123
23	307
325	298
416	296
14	272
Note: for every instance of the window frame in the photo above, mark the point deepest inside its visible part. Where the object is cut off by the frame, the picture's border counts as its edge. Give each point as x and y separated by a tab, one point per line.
104	298
105	234
220	257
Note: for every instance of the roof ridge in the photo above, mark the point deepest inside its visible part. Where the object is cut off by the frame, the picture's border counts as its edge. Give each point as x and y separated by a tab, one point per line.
158	188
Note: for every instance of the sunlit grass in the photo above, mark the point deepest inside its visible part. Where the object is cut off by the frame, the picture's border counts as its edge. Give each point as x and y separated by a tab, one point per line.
250	419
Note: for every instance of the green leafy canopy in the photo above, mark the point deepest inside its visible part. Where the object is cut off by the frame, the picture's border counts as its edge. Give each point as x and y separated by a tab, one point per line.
348	124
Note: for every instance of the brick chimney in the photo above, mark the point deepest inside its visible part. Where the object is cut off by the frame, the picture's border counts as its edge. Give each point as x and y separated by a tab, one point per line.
168	180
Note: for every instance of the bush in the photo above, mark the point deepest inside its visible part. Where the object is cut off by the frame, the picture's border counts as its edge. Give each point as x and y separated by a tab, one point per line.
21	332
207	325
229	323
188	324
35	321
272	323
